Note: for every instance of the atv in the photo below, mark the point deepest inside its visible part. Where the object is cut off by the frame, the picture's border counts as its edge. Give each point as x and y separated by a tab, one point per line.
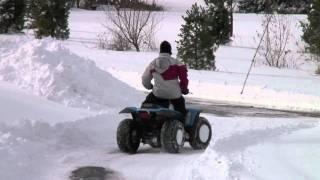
162	128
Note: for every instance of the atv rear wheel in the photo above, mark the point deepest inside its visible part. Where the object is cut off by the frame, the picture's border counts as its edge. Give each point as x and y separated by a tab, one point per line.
172	136
201	133
128	136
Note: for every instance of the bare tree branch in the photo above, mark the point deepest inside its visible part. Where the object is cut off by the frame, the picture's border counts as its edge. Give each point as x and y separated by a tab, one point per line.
274	47
129	21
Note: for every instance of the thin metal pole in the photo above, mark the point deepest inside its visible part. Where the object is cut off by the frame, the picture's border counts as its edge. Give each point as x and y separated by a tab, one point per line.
254	57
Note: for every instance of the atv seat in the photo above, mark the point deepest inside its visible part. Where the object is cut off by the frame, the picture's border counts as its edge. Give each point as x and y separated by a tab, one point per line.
151	106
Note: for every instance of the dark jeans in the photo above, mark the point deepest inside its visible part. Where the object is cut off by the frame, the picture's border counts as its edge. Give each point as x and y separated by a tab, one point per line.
178	104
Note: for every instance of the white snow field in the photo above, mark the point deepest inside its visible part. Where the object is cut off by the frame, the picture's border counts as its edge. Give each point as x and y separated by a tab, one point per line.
59	104
291	89
49	70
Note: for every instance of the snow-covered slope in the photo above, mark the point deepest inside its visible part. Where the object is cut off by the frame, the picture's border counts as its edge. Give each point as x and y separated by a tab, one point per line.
49	70
41	84
44	137
17	106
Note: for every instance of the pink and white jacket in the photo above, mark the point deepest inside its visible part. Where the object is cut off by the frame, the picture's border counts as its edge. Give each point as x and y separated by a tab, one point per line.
170	77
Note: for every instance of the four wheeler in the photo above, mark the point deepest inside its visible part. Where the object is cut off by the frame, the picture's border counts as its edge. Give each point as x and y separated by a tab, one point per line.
162	127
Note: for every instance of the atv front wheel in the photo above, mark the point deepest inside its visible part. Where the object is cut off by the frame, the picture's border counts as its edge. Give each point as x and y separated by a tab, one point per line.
128	136
172	136
201	133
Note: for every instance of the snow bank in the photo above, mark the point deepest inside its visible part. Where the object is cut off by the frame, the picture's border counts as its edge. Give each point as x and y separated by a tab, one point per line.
13	100
47	69
36	150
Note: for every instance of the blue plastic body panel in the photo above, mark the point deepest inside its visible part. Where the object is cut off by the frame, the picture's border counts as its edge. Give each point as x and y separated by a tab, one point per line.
172	114
190	119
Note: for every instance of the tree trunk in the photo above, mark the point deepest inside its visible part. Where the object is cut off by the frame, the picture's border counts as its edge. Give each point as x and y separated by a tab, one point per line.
318	70
231	19
136	46
77	3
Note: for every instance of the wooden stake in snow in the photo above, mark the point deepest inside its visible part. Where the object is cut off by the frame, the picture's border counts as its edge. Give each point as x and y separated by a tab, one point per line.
254	57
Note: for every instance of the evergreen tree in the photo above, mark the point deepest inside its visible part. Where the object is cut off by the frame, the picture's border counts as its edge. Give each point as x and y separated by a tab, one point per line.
251	6
50	18
220	18
196	46
204	30
311	30
19	15
11	15
280	6
293	6
6	15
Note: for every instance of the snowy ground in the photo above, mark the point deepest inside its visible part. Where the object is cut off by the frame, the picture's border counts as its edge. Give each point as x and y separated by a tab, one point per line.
291	89
60	101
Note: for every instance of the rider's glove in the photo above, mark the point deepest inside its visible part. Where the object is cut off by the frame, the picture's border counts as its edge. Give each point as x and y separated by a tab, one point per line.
151	87
185	91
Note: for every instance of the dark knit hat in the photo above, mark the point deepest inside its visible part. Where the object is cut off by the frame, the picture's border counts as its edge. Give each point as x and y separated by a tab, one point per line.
165	47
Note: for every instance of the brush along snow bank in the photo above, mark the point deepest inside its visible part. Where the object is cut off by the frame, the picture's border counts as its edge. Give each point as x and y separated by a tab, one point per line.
47	69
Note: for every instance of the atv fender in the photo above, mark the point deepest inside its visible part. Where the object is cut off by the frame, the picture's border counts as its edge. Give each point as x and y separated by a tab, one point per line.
168	113
128	110
191	117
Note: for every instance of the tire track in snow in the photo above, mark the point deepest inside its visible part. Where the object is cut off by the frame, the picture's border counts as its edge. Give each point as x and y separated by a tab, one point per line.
240	141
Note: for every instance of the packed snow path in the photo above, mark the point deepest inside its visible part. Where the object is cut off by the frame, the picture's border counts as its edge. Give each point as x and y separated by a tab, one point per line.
236	129
225	109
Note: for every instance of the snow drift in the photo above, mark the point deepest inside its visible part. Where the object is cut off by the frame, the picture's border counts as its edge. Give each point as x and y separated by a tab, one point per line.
36	150
47	69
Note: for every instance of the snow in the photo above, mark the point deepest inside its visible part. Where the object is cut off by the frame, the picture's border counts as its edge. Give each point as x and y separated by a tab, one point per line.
52	71
290	89
59	104
253	148
17	105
